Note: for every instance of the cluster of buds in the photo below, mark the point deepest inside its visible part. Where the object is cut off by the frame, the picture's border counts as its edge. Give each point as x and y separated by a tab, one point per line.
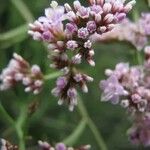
5	145
144	23
68	30
136	33
60	146
130	87
139	133
66	88
19	70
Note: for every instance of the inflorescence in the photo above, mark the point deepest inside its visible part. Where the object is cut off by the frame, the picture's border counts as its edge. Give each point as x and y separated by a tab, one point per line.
130	87
5	145
60	146
68	30
19	70
136	33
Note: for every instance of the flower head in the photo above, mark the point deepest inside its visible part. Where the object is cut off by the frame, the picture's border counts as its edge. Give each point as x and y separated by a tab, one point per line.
60	146
72	28
19	70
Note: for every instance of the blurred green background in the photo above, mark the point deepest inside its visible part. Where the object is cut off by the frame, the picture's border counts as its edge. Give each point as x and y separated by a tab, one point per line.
51	122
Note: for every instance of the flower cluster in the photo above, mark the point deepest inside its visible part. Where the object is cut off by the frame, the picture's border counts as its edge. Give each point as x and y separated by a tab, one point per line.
5	145
130	87
136	33
139	133
19	70
68	32
144	23
60	146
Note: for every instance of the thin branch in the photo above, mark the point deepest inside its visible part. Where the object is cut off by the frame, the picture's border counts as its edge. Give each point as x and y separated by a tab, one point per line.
91	125
5	114
148	3
23	9
138	57
13	33
25	12
13	36
71	139
52	75
20	127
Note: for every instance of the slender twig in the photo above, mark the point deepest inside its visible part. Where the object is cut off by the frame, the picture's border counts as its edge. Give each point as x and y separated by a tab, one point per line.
23	9
5	114
137	53
13	36
71	139
19	125
25	12
91	125
148	2
52	75
13	33
138	57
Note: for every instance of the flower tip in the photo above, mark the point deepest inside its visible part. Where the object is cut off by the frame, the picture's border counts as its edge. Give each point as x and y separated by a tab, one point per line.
92	63
54	4
133	2
87	147
71	108
85	88
60	102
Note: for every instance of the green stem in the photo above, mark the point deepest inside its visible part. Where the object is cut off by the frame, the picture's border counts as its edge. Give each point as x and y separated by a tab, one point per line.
13	33
138	57
23	9
148	3
52	75
135	15
91	125
71	139
20	128
13	36
25	12
6	115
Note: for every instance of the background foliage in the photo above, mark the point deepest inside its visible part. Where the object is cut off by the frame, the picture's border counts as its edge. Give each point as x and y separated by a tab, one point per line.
51	122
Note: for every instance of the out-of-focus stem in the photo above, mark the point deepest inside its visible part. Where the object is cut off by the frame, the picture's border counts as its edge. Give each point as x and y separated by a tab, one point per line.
6	116
25	12
139	58
148	3
91	125
19	125
23	9
52	76
75	135
137	53
13	36
13	33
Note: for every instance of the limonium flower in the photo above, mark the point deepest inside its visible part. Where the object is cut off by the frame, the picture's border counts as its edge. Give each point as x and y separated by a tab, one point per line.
139	133
130	88
5	145
144	22
19	70
68	30
60	146
136	33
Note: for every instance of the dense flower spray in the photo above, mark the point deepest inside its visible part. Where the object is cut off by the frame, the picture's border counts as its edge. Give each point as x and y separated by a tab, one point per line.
130	87
19	70
5	145
136	33
68	30
60	146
